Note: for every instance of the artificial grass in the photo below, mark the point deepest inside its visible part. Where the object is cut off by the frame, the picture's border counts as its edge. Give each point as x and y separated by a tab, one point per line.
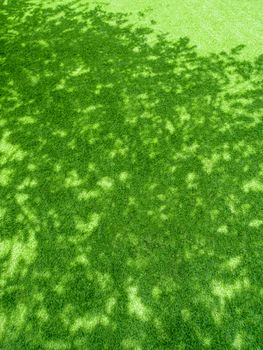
213	25
131	187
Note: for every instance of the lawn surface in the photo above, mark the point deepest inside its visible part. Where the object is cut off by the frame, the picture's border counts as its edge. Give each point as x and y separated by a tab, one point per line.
131	180
212	25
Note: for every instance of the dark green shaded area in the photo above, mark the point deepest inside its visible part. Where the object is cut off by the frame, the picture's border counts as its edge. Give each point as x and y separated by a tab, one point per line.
131	187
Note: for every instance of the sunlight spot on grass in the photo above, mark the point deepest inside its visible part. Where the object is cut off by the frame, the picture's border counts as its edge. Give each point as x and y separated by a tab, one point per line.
253	186
87	109
91	167
169	126
58	15
245	168
246	149
57	167
123	176
191	180
34	78
237	344
38	296
119	149
110	305
206	340
172	169
246	283
218	315
131	344
136	49
162	208
227	291
98	89
21	252
59	288
55	219
214	213
20	217
61	84
26	120
245	208
153	186
90	226
223	291
106	183
5	176
157	323
131	200
86	195
81	260
161	197
188	254
132	120
21	198
57	345
164	217
60	133
89	322
133	238
104	279
183	114
186	314
3	321
152	58
68	309
136	306
73	179
19	316
5	247
187	150
42	314
27	183
222	229
208	164
10	151
256	223
3	122
233	203
43	43
79	71
225	126
29	214
156	292
31	167
138	263
226	156
2	212
232	263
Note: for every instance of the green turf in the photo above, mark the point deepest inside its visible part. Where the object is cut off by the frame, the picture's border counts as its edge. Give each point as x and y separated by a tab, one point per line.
131	185
213	25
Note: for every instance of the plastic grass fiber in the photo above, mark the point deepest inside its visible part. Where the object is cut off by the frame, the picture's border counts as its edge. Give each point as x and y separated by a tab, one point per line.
131	180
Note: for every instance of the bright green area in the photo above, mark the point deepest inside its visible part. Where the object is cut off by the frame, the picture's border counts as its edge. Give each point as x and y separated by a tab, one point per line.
212	25
131	180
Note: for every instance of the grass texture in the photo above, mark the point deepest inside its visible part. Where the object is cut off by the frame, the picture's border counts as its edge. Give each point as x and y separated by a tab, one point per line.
213	25
131	180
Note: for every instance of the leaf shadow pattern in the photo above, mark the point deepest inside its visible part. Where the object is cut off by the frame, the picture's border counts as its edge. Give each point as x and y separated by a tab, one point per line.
131	187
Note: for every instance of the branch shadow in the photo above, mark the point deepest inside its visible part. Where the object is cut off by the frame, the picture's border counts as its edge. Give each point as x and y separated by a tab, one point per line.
131	187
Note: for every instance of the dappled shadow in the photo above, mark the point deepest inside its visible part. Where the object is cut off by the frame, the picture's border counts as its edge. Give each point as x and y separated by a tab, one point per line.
131	187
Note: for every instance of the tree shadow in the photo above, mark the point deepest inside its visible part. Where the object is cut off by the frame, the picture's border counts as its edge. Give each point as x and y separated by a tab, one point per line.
131	187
